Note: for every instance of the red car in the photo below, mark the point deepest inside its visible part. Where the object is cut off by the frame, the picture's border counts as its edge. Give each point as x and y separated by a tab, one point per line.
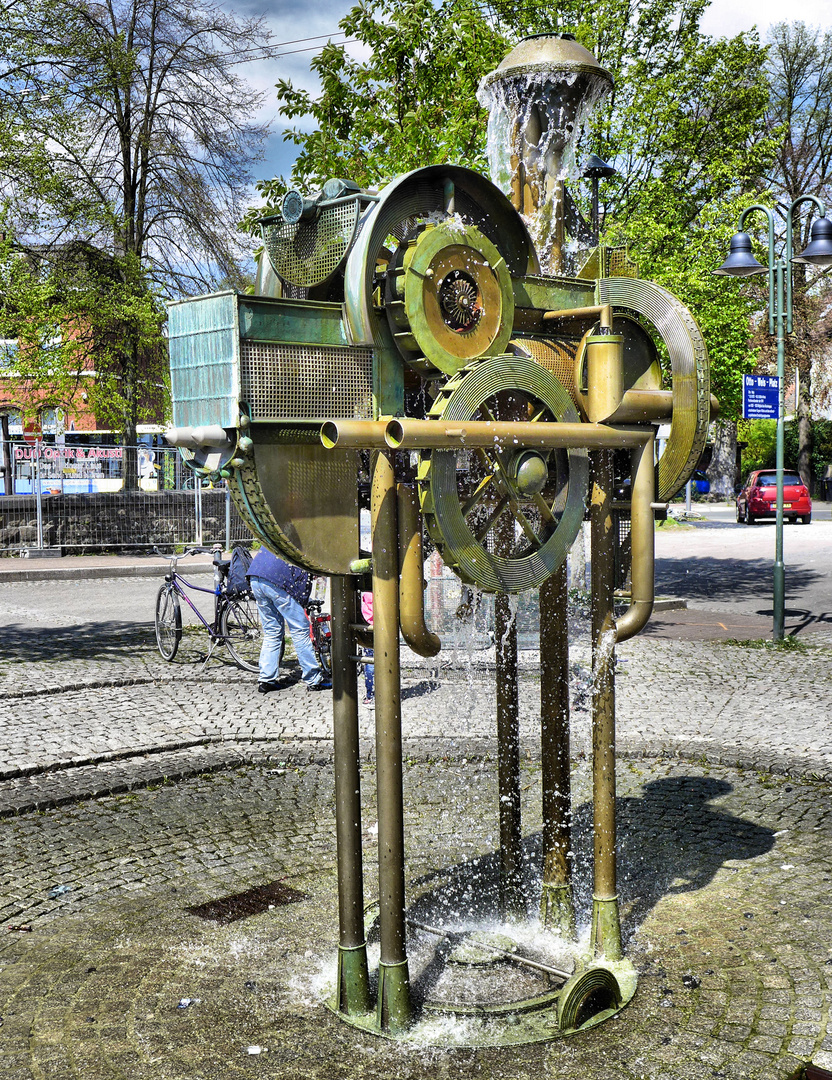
758	498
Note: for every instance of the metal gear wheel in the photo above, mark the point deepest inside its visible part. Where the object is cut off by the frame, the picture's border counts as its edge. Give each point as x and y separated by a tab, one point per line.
503	518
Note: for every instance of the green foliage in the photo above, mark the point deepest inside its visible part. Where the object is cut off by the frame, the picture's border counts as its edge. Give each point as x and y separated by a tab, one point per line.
761	436
77	312
412	103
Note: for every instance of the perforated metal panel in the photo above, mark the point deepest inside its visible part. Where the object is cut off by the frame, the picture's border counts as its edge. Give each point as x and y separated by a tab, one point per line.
308	252
306	382
619	264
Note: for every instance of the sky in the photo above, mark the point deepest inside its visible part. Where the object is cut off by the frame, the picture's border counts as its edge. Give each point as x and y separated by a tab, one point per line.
291	21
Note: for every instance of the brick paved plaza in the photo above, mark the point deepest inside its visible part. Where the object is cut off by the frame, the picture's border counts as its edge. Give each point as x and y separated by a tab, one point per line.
132	790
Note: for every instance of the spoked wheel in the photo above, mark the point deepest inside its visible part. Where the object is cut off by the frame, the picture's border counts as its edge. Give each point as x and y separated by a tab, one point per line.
242	635
168	622
503	517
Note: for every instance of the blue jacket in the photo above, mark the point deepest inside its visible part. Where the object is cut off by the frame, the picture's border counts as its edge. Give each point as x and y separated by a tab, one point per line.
289	579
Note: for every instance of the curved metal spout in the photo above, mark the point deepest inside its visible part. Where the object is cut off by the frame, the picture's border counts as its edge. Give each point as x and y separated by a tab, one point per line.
642	537
411	585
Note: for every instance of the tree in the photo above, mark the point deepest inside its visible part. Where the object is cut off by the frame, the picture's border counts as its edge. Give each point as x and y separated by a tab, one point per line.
800	74
163	143
126	142
87	325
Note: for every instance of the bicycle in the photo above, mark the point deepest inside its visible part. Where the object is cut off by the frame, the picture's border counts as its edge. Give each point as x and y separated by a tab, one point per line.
236	624
320	631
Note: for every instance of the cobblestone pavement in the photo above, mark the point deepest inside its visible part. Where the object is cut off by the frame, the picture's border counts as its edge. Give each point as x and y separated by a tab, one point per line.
725	838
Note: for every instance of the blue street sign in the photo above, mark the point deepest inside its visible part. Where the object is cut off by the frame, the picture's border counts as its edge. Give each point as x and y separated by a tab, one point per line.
760	397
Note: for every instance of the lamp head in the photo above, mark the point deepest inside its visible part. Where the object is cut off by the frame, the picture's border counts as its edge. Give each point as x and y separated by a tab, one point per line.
819	249
741	261
596	168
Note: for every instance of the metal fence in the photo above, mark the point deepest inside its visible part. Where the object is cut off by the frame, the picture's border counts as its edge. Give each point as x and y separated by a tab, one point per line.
75	498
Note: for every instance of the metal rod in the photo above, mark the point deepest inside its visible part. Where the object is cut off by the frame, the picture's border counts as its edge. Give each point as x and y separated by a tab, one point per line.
606	928
394	1006
353	978
452	935
406	434
603	311
512	897
557	910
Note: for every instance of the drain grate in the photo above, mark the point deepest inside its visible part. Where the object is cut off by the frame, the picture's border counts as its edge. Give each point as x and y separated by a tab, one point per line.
254	901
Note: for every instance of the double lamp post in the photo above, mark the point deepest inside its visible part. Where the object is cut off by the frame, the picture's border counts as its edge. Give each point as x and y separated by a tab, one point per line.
741	263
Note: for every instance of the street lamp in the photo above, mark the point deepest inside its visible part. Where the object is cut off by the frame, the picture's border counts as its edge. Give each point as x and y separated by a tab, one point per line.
741	263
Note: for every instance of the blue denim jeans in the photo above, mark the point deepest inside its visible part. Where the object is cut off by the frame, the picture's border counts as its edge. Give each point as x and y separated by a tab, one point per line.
279	611
369	675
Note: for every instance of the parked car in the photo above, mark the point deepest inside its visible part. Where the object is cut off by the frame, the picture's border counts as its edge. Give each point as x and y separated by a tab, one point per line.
758	498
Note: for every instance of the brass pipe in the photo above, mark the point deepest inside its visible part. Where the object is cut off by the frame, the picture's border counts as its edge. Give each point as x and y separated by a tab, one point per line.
644	406
606	927
349	434
394	1006
512	897
642	538
411	582
557	910
602	311
353	978
406	434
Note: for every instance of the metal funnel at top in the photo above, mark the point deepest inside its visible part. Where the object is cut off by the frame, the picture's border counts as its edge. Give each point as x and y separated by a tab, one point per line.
538	99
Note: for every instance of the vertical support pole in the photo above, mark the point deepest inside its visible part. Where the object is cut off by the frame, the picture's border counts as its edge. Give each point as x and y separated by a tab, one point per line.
38	496
394	1007
606	926
779	583
512	894
198	509
227	517
8	474
353	981
557	911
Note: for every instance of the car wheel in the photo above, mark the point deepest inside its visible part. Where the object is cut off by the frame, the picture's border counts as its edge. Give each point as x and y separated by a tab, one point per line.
806	519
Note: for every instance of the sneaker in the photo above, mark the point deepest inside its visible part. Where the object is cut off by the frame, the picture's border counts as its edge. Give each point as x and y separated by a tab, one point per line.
267	687
324	684
369	702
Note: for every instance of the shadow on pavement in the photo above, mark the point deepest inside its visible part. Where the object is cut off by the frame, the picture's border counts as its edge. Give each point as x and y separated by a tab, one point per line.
669	841
99	640
726	579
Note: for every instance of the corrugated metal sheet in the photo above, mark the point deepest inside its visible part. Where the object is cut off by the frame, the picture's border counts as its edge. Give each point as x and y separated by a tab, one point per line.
204	341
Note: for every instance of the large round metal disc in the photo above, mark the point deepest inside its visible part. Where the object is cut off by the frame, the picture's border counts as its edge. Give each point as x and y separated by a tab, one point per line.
493	521
458	297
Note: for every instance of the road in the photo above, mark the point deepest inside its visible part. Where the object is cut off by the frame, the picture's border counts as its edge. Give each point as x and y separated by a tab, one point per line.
714	564
721	566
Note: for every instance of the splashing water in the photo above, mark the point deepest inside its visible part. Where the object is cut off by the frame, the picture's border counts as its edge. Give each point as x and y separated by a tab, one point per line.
535	120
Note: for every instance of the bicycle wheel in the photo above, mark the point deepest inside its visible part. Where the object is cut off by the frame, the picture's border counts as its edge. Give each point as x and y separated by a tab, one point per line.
168	621
241	633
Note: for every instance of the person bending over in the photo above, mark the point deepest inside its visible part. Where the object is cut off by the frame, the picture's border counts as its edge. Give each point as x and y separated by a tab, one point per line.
281	590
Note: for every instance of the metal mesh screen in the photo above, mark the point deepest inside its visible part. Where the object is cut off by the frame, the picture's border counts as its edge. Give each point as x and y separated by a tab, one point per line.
619	264
308	252
306	382
623	549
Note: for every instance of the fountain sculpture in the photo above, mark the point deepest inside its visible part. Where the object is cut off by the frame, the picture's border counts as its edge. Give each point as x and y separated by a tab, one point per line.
446	341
